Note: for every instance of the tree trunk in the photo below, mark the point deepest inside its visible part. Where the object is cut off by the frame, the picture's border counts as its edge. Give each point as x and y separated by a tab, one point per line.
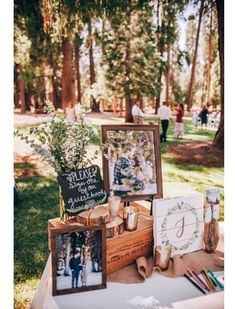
16	100
16	86
91	58
128	115
42	91
219	136
209	63
172	80
78	76
168	74
95	107
27	99
128	101
67	73
115	104
22	90
121	107
190	91
102	105
52	92
158	97
49	73
36	101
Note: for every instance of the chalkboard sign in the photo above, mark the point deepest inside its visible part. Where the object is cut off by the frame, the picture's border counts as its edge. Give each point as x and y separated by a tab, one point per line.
82	189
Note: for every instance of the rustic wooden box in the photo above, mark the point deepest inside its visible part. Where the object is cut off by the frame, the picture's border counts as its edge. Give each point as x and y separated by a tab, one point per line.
123	249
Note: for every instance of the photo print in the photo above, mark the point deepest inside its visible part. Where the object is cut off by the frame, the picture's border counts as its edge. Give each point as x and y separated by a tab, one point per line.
78	259
212	205
132	163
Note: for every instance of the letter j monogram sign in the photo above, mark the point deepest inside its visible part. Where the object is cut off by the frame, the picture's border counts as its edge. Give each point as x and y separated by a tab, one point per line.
179	222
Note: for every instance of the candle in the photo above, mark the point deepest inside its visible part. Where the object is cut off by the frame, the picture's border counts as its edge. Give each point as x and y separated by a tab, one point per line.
162	256
130	217
114	205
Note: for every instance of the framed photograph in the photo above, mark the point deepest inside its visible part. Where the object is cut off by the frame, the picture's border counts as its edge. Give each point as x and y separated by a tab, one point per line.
132	161
78	259
212	210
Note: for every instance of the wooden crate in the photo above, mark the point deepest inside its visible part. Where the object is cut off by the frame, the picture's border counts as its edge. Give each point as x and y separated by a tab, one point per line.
123	249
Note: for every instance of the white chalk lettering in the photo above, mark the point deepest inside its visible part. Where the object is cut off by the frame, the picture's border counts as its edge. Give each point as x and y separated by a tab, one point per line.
83	198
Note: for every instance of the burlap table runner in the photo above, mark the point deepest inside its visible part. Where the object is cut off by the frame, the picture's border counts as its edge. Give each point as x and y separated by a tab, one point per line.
196	261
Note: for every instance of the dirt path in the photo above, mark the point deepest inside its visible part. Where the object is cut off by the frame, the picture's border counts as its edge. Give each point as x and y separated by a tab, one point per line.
197	153
24	154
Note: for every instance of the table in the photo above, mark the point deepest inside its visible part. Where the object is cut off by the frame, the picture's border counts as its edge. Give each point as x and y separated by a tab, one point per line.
157	292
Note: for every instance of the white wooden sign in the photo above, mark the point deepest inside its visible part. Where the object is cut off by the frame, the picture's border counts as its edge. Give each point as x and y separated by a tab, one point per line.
179	221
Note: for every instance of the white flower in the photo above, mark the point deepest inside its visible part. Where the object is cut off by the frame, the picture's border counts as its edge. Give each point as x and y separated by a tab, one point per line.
68	151
57	120
82	110
49	118
41	126
48	130
87	121
95	131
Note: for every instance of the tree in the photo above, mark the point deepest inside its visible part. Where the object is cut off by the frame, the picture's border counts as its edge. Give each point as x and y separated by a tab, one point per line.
53	62
219	136
77	46
169	13
160	47
68	83
167	34
95	106
211	54
62	23
130	54
29	49
192	79
21	47
209	59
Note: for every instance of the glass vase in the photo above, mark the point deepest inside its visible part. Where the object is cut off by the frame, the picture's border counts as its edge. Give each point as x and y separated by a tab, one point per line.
64	217
211	235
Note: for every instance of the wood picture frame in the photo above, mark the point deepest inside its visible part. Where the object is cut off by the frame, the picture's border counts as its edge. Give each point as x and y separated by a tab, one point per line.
144	179
86	244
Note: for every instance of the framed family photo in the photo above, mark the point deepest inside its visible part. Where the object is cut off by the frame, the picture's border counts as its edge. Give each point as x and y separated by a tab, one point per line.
78	259
132	161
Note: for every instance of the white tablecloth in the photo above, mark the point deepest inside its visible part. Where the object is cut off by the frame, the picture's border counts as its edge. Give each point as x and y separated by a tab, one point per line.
157	292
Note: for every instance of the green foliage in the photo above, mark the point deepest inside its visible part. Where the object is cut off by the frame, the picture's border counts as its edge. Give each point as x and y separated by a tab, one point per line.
191	17
38	202
179	94
130	54
21	46
63	145
184	56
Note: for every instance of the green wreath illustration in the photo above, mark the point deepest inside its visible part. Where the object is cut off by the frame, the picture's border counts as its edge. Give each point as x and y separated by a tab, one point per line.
195	234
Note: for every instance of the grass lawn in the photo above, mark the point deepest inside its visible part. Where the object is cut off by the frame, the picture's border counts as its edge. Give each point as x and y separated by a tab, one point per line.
39	199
